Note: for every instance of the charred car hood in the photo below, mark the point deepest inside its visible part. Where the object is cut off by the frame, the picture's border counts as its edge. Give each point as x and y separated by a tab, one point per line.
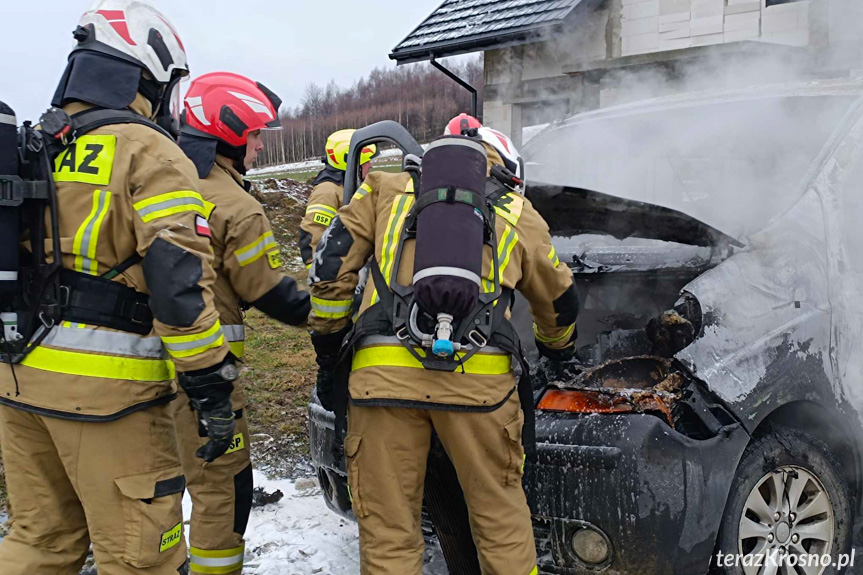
572	211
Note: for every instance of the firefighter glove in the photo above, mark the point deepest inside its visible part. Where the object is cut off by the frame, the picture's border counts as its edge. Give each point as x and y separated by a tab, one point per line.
328	349
209	392
219	425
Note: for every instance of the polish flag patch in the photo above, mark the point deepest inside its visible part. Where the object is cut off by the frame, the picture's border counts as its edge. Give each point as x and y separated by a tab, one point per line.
202	226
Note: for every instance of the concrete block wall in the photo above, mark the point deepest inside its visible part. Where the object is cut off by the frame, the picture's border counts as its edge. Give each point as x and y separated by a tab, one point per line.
649	26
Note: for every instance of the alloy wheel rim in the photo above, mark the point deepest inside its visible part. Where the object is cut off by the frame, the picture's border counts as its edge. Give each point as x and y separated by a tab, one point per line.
787	512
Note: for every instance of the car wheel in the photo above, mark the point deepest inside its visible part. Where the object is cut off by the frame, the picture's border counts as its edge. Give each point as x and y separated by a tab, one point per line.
788	498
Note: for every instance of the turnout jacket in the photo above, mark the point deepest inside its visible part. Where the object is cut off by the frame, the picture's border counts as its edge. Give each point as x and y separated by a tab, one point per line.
247	258
324	202
125	189
383	372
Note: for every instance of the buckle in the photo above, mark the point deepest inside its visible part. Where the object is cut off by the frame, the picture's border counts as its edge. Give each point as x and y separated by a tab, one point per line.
49	323
403	334
477	338
143	315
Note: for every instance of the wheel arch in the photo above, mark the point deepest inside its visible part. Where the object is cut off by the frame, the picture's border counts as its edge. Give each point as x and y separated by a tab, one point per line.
815	420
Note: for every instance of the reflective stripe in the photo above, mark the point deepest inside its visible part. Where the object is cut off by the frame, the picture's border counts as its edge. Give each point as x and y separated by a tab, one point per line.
504	250
8	276
255	250
364	190
322	208
234	332
398	214
87	237
377	340
77	337
552	255
238	348
181	346
171	203
8	119
392	356
334	309
448	271
216	562
545	339
104	366
511	208
535	571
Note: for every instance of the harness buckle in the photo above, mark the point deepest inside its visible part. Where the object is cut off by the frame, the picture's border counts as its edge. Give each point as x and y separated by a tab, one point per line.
139	313
48	322
403	333
477	338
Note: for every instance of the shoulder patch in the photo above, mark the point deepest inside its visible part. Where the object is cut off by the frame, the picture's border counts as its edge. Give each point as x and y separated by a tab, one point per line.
202	227
88	160
274	259
509	207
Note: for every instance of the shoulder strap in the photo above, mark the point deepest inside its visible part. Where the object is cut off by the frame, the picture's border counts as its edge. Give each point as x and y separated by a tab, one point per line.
95	118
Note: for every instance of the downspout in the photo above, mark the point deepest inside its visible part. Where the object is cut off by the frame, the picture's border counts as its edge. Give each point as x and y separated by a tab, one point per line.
474	108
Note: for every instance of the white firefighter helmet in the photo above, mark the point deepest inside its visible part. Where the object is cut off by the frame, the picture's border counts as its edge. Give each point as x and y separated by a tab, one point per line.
505	147
134	31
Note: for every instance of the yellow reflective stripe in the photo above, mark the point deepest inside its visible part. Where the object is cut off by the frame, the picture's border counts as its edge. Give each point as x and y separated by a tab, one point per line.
256	250
545	339
552	255
511	208
505	246
364	190
391	356
181	346
409	187
87	237
104	366
535	571
169	204
69	324
322	208
335	309
209	208
238	348
398	214
217	562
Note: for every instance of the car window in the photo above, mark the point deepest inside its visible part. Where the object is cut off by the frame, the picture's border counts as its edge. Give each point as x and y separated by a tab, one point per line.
732	165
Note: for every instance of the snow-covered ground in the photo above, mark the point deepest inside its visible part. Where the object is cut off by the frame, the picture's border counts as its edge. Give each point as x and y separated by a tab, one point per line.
300	536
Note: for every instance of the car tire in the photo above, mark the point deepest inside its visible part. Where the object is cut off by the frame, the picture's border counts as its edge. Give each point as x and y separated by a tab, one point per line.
781	460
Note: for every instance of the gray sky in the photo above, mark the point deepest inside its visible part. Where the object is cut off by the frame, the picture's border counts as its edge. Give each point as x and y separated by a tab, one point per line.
285	44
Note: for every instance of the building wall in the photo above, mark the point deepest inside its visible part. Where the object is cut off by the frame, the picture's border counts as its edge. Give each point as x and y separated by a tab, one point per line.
649	26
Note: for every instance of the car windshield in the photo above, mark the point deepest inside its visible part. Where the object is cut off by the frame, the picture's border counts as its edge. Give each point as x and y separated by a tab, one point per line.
733	165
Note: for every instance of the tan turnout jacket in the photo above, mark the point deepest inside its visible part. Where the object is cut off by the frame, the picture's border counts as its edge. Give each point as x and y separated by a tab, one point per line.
324	203
121	188
383	372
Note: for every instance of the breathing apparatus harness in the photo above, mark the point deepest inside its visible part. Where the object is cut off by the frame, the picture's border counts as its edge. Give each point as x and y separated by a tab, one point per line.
46	293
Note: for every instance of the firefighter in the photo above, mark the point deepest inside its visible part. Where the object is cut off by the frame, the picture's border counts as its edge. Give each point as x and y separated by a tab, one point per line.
86	423
327	195
223	118
395	402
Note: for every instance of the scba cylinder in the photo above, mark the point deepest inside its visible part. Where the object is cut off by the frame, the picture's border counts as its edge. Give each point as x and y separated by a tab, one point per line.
9	215
450	230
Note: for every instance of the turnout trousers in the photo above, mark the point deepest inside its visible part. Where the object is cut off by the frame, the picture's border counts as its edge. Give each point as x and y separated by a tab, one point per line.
386	451
116	484
221	492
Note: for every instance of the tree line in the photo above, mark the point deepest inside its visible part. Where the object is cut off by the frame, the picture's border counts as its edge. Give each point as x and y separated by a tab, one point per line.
418	96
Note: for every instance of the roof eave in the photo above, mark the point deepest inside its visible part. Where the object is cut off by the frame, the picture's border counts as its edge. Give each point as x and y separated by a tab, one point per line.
516	37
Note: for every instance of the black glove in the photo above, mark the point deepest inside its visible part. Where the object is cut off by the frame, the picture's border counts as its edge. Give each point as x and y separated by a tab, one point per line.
560	355
328	349
209	392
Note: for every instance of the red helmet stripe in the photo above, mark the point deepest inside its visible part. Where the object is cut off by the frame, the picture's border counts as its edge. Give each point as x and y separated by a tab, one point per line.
117	20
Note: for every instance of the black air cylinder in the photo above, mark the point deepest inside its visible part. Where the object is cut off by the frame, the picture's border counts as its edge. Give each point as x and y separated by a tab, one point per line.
9	216
449	240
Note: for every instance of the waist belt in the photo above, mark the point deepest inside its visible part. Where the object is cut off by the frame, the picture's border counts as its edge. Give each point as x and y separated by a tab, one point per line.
96	301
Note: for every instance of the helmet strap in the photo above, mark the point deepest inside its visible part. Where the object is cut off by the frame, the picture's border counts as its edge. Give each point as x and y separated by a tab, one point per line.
237	155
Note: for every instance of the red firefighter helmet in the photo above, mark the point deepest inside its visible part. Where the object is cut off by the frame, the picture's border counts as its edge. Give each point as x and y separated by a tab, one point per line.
228	106
462	125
